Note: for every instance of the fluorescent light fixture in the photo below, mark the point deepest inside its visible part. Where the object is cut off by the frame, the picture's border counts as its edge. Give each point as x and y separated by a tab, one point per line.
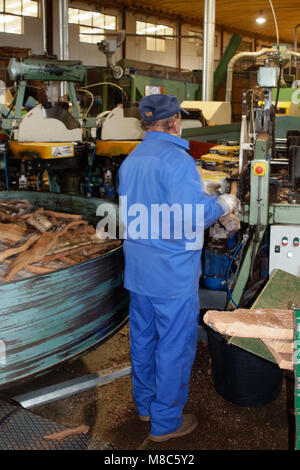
260	19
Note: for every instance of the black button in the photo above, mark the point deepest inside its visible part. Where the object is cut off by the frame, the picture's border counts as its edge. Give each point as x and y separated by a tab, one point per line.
277	248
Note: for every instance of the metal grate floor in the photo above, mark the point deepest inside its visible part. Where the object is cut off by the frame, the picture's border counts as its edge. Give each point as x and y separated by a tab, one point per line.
22	430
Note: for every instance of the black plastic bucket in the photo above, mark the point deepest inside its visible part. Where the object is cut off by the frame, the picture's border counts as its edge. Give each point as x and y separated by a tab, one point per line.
240	376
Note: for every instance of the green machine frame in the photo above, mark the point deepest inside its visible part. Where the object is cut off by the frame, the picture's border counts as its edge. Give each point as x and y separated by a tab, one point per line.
259	213
71	72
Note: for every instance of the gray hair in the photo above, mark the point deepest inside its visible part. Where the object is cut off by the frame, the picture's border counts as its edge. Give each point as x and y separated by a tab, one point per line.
165	124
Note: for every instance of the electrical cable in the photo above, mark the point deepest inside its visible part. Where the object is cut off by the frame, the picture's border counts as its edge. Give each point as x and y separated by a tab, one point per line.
91	103
107	83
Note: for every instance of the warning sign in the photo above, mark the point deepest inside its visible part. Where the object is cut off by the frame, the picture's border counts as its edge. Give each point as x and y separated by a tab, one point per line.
62	151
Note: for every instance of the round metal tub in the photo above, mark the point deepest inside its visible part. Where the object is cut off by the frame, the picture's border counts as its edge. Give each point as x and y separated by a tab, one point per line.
49	318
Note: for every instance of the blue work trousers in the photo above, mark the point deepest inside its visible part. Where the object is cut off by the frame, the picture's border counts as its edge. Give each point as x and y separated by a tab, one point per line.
163	341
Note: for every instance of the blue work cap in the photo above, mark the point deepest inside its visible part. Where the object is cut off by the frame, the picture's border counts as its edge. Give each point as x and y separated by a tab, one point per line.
157	107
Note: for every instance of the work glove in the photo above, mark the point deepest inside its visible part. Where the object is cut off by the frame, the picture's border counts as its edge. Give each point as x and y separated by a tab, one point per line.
230	222
230	204
211	187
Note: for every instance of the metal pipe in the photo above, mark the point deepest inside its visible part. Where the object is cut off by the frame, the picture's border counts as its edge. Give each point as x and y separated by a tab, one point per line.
296	42
44	19
234	60
208	50
295	54
63	30
63	37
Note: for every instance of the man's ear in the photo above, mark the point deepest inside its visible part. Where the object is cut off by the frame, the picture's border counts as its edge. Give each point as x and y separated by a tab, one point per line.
175	126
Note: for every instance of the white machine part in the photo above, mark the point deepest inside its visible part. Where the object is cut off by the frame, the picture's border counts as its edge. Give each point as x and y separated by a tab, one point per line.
285	249
215	112
37	127
190	123
116	126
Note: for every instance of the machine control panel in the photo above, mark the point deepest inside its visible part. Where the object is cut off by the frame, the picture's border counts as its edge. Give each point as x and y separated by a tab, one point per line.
285	248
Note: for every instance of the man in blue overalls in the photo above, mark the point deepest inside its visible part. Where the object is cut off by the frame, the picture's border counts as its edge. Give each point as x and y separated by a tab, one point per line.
162	273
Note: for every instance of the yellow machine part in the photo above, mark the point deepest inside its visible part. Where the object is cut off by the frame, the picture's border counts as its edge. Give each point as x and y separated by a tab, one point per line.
225	150
283	107
215	157
213	180
212	175
44	150
113	148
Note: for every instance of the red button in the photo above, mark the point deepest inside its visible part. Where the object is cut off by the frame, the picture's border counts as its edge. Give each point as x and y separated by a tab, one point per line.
259	170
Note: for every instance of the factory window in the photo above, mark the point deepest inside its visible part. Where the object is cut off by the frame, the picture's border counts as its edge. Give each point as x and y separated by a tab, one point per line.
155	40
11	13
92	25
245	46
195	37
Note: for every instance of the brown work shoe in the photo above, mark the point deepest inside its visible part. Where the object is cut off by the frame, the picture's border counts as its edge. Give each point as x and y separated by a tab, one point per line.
189	424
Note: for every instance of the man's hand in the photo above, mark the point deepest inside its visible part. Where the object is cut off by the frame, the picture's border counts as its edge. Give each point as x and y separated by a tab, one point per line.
230	203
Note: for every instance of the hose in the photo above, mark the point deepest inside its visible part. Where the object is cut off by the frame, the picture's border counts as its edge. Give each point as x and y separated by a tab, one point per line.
242	245
228	272
275	21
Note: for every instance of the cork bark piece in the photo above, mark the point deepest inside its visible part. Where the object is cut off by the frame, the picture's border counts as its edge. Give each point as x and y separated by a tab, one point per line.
284	359
269	323
12	232
37	241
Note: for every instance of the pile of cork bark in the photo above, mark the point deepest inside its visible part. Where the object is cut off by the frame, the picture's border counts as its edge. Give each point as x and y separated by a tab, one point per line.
38	241
274	327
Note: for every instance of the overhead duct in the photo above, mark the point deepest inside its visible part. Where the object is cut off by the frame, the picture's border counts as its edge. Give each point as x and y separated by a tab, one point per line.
234	60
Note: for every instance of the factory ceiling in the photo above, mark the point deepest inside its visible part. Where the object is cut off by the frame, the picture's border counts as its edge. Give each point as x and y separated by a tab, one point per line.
231	15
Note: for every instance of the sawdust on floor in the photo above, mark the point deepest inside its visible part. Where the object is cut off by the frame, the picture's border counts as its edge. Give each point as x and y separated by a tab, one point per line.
110	413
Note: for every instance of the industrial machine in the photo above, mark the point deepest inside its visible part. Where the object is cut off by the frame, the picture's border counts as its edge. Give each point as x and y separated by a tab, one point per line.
122	87
51	136
119	132
265	172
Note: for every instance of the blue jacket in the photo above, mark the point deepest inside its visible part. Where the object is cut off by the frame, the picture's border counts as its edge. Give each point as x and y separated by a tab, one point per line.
160	171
